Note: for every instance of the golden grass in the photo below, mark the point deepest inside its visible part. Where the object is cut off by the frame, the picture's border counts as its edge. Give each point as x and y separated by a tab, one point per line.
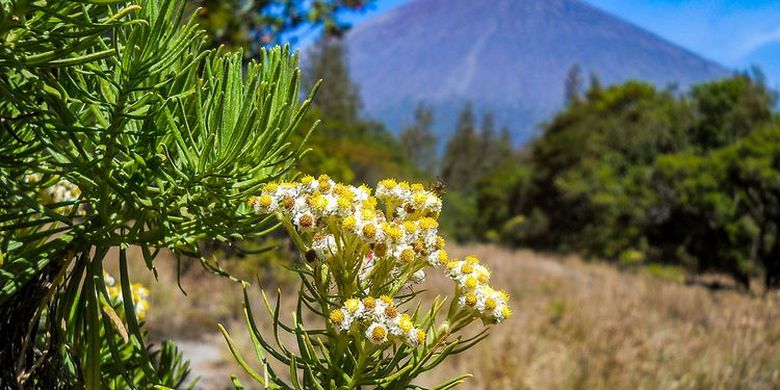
576	325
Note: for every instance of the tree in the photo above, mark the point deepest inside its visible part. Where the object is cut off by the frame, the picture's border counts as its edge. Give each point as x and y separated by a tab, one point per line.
462	159
119	131
418	140
252	24
346	146
573	84
730	109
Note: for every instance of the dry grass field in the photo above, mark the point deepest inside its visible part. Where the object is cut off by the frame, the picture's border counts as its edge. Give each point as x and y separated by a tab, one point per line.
576	326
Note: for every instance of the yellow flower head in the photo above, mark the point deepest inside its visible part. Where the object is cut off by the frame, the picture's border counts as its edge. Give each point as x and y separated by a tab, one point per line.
490	303
380	249
442	257
407	255
428	223
466	268
288	202
417	187
318	202
352	305
387	183
324	185
506	312
343	202
265	201
420	336
391	311
392	231
349	223
367	214
410	226
471	282
337	316
405	323
379	333
307	179
369	231
419	199
306	221
370	203
471	299
473	260
440	243
386	299
369	302
270	187
251	201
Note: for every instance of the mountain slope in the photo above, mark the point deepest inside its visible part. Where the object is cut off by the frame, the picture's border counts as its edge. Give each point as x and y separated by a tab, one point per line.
509	56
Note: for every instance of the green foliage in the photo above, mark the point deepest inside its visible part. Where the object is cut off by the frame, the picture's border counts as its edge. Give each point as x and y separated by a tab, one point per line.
118	131
252	24
635	174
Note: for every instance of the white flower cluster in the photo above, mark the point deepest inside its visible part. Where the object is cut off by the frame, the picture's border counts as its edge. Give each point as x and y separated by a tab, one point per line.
475	293
61	192
379	320
389	239
406	231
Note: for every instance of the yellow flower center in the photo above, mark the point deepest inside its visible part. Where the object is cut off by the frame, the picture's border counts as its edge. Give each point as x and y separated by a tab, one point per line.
306	221
405	323
379	333
407	255
265	201
391	311
471	299
369	302
506	311
288	202
369	230
428	223
388	183
442	256
420	337
349	223
337	316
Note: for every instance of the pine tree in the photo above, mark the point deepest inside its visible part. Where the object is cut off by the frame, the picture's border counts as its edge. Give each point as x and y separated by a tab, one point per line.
339	96
419	141
573	84
461	162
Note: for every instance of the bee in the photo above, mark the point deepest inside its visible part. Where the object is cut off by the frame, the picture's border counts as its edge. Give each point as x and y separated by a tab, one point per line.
438	187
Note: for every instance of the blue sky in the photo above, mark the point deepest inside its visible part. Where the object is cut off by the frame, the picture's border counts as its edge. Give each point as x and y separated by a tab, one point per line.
735	33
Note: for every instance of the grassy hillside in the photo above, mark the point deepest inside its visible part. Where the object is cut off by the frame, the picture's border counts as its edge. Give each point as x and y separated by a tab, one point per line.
577	325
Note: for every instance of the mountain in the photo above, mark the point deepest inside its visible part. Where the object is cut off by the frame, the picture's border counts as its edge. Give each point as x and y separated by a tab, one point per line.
508	56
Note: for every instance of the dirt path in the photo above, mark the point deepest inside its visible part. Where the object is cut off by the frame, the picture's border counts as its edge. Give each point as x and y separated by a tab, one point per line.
207	361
